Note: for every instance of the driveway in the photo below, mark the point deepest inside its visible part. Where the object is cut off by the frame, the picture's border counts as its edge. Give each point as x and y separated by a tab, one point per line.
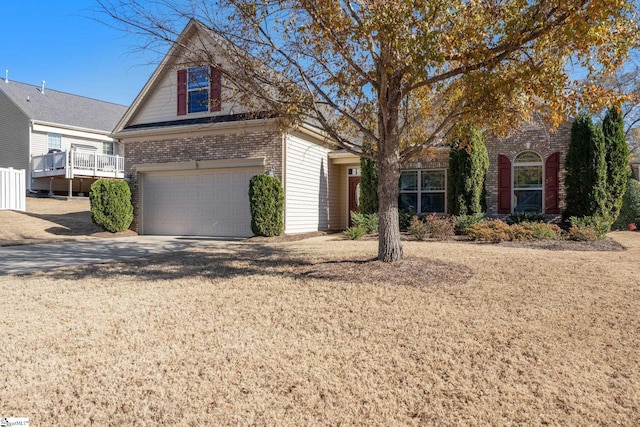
26	258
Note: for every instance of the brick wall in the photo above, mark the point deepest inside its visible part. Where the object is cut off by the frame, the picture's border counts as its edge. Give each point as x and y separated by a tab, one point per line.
234	144
539	139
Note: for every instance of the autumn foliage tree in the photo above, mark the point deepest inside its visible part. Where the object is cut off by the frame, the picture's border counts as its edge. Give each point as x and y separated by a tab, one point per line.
400	73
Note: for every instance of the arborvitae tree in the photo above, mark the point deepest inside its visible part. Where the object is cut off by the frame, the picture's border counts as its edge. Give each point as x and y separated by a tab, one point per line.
111	206
585	170
468	165
617	160
368	202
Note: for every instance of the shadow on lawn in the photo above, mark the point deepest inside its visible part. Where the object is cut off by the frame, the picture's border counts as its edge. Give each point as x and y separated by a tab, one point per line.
70	224
211	263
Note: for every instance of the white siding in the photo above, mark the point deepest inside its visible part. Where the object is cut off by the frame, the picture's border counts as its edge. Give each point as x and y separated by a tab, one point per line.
306	186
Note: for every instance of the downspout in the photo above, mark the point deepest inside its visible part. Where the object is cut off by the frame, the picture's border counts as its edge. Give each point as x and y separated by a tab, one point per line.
283	176
29	153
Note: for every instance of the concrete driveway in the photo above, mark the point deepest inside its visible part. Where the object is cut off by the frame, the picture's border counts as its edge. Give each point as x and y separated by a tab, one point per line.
26	258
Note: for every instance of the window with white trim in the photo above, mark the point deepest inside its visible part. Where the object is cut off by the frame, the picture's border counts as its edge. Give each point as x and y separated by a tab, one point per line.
108	147
423	191
527	182
54	141
198	89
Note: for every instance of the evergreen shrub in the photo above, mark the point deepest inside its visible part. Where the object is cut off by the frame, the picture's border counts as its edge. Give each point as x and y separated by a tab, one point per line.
266	200
110	201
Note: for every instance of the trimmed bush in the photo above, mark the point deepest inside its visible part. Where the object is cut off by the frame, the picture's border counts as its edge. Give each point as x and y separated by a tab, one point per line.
266	200
367	221
111	207
463	222
404	217
440	227
433	226
417	228
494	231
630	211
617	161
468	166
497	231
588	228
542	230
355	233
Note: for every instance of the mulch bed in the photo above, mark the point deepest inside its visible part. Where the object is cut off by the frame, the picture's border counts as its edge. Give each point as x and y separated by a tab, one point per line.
416	272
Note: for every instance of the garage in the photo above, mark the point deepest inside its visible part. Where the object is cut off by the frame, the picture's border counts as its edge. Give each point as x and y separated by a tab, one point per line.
211	202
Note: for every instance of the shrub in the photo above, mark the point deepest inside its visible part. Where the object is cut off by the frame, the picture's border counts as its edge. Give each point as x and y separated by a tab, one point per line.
417	228
111	207
490	231
439	227
518	217
585	170
266	200
355	233
630	211
367	221
468	165
463	222
588	228
368	202
404	217
617	161
542	231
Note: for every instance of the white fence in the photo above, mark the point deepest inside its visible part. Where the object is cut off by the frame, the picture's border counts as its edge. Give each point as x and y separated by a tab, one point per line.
12	189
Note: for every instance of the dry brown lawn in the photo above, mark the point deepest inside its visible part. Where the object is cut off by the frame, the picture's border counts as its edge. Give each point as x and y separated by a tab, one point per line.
49	220
270	334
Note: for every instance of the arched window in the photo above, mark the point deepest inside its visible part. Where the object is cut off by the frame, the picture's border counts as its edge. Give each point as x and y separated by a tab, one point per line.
527	182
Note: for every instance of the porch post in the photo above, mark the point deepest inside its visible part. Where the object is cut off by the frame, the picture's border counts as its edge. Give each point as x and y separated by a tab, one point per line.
95	163
70	188
51	187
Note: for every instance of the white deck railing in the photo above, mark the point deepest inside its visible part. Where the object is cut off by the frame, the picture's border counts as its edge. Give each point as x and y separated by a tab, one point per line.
77	163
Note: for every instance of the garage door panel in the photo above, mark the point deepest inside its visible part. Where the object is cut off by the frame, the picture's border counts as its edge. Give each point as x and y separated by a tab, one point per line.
204	203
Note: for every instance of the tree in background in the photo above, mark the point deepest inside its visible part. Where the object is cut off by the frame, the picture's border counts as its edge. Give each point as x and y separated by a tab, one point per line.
585	170
399	74
468	165
368	202
617	161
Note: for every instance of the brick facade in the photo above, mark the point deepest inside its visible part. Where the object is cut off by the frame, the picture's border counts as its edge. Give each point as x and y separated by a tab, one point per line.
232	144
540	139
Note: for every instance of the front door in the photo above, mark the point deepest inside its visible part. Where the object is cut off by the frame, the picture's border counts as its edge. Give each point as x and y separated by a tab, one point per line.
354	195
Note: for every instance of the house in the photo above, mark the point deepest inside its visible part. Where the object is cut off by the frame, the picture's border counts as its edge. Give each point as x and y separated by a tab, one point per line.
62	140
190	152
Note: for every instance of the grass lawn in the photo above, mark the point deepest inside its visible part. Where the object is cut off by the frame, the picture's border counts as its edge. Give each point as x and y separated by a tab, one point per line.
289	334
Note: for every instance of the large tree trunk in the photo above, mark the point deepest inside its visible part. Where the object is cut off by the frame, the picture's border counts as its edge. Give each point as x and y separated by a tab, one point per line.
389	244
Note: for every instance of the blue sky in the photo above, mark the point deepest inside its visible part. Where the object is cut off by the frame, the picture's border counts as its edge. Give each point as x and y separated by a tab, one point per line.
59	42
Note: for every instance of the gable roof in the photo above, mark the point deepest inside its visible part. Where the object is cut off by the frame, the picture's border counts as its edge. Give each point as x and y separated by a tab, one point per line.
63	108
192	26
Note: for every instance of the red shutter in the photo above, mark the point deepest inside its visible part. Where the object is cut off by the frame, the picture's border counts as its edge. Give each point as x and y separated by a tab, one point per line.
182	92
504	185
551	184
215	90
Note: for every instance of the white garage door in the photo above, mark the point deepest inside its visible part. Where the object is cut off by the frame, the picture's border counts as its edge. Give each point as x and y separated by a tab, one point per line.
212	202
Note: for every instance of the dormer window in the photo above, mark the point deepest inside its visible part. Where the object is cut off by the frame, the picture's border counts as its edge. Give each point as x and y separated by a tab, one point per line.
199	90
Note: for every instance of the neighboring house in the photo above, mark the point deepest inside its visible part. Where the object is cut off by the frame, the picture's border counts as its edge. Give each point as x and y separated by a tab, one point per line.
190	153
62	140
